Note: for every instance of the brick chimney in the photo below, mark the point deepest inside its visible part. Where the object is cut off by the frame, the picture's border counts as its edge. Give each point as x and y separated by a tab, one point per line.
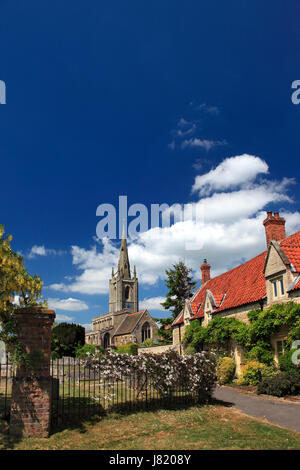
205	268
274	227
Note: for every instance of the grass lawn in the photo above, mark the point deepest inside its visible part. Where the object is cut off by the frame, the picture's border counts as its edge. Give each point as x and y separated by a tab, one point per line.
205	427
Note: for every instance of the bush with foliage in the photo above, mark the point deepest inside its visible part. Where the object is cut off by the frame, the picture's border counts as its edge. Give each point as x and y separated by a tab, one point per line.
285	361
167	372
217	335
253	372
254	337
281	384
66	338
129	348
225	370
87	349
148	343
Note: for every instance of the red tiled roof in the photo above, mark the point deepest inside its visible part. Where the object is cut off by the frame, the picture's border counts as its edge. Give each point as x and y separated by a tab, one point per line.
241	285
218	299
291	248
296	286
195	306
179	320
245	283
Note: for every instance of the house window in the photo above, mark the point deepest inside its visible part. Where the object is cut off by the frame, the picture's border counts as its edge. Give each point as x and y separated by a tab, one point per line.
280	346
278	287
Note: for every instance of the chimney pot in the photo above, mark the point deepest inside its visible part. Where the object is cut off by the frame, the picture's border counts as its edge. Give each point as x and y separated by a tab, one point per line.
274	227
205	268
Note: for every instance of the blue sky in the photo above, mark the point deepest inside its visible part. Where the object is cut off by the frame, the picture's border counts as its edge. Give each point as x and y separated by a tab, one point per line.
140	98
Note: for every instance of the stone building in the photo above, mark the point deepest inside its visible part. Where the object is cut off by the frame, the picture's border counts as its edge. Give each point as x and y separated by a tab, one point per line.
124	323
270	277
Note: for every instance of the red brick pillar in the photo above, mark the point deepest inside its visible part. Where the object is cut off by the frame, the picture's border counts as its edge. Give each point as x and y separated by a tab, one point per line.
32	386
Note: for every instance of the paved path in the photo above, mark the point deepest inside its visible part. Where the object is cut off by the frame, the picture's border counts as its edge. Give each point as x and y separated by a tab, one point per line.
275	411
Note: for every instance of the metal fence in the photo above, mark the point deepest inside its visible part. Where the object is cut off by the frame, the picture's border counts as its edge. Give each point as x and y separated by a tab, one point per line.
80	392
7	373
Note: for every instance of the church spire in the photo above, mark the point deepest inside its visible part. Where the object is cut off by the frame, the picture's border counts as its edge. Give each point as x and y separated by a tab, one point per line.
124	266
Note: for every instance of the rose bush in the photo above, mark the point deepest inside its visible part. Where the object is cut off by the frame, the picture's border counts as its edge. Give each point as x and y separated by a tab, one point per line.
168	372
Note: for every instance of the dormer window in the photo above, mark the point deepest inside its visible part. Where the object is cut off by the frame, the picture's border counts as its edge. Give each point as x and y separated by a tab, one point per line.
278	287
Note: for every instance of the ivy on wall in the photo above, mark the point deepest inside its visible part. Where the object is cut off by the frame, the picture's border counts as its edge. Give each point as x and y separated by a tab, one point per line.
254	337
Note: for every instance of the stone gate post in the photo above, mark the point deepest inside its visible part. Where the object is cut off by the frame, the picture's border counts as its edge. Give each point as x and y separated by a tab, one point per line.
32	387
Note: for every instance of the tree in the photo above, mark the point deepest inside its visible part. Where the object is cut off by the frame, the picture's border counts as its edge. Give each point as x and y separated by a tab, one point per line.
65	339
14	281
180	285
163	332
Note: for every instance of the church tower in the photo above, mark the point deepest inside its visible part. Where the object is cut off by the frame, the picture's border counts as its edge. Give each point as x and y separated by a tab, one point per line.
123	289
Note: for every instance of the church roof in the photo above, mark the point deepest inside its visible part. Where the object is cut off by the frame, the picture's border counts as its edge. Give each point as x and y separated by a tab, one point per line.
129	323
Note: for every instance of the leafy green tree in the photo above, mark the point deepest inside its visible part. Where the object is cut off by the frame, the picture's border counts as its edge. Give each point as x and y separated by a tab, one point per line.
164	334
66	338
14	281
180	285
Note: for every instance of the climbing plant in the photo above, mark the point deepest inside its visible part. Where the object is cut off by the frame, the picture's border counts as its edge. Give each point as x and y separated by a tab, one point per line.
254	337
14	281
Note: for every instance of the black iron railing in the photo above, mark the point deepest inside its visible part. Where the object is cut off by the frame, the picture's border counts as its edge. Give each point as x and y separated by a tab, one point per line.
80	392
7	373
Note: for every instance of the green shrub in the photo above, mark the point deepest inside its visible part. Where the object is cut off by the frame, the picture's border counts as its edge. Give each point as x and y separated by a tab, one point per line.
190	349
253	372
148	343
225	370
82	352
285	361
129	348
282	384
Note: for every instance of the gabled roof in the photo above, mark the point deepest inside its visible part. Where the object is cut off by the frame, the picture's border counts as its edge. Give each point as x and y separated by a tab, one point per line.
179	319
295	285
129	323
246	283
291	247
241	285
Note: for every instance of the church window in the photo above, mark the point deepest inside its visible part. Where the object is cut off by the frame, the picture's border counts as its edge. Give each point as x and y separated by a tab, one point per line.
146	331
106	341
127	292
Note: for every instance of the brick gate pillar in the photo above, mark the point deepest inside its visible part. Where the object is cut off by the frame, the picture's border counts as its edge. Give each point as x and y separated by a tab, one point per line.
32	387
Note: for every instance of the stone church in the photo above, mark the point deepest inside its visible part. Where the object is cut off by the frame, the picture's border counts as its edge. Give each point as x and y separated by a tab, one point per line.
124	323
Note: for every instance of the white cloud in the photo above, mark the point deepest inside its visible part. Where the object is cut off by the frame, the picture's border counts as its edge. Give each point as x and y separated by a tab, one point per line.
231	232
152	303
201	143
64	318
232	172
40	250
208	109
37	251
69	304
